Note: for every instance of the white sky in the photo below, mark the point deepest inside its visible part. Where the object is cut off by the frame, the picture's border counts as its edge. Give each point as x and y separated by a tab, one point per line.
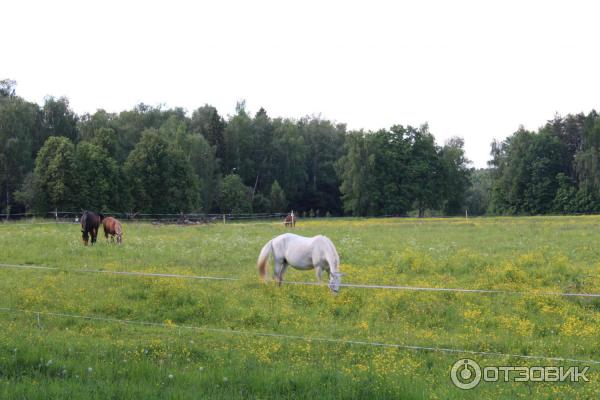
476	69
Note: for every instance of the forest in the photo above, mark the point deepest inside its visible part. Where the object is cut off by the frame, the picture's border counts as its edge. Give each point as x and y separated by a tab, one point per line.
165	160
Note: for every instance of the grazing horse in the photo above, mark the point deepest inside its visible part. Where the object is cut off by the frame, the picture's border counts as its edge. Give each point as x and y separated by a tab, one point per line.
112	227
290	220
90	222
302	253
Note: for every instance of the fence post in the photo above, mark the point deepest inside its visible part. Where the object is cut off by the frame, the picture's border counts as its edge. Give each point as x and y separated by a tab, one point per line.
56	214
466	213
223	218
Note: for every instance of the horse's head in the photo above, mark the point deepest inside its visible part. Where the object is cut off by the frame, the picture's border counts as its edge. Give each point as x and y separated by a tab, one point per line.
335	280
85	236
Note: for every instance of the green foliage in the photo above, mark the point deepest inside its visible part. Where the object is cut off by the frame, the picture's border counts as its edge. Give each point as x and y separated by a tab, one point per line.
58	119
289	158
207	122
160	178
31	195
200	154
99	185
424	170
20	138
106	138
477	199
527	169
234	196
54	167
261	203
356	169
556	169
316	163
325	145
455	180
387	172
277	198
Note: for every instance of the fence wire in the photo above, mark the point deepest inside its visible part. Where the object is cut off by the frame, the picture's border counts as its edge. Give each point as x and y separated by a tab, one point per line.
300	338
347	285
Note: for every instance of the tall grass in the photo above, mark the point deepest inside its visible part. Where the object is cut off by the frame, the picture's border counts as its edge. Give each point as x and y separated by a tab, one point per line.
72	358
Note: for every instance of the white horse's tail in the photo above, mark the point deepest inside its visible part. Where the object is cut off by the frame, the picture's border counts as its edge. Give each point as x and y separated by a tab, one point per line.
263	258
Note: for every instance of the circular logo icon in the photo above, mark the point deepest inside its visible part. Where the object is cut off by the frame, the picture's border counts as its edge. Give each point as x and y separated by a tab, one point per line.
465	374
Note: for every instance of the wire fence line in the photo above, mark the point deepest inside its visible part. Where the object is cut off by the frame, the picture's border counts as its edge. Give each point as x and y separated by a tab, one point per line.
297	337
181	217
348	285
15	219
61	214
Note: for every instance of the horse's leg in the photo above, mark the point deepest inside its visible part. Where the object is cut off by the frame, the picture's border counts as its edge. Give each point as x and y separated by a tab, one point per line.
319	272
279	269
284	266
276	268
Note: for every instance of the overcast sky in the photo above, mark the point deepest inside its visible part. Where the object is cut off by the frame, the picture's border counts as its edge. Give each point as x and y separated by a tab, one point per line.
476	69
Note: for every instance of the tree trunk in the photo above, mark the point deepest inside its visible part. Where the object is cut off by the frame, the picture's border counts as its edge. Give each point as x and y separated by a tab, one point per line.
255	185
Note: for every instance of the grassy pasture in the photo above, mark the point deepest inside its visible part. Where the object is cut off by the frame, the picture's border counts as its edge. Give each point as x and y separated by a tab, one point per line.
62	357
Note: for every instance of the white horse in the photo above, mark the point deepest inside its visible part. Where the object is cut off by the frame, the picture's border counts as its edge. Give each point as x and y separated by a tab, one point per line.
302	253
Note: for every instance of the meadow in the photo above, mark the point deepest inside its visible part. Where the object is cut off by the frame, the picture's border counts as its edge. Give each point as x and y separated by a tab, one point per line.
204	343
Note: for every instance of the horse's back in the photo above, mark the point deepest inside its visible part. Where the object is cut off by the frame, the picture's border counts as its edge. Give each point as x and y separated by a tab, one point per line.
291	238
90	220
301	251
109	224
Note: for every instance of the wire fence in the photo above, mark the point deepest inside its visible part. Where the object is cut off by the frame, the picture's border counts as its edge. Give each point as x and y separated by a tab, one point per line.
157	218
71	217
532	292
183	218
283	336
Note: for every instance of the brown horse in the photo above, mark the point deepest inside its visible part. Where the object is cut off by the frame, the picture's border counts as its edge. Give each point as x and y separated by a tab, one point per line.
90	222
290	220
112	227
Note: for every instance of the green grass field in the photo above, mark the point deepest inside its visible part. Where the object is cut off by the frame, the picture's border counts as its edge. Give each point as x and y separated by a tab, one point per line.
65	357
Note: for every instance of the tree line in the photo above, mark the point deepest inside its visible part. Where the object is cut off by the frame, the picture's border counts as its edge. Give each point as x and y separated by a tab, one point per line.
555	169
158	160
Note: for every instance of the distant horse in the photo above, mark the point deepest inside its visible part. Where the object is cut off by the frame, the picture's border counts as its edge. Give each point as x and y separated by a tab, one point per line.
112	227
290	220
302	253
90	222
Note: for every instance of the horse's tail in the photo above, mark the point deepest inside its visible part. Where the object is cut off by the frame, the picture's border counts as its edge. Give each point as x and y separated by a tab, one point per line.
263	258
119	232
